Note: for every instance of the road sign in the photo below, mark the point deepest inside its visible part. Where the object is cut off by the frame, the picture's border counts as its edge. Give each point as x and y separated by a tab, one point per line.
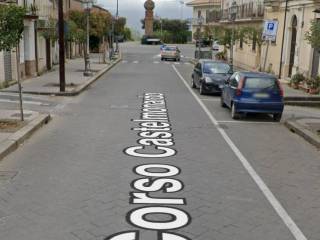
270	30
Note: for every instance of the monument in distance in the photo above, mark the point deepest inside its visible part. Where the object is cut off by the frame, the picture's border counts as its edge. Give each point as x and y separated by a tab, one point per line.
148	38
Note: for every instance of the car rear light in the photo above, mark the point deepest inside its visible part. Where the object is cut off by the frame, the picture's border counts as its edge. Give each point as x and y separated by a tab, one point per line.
280	88
240	87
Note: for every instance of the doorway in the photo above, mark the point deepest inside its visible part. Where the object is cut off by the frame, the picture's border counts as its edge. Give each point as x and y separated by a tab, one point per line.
293	43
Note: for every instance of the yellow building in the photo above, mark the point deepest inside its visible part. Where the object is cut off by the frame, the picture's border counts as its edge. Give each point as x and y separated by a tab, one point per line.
250	13
208	10
297	53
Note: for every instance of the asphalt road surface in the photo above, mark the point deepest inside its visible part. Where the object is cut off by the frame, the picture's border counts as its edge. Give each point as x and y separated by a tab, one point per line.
141	155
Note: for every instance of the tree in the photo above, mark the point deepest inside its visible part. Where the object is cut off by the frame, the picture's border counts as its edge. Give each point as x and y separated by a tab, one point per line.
313	35
119	26
173	30
11	26
11	29
127	34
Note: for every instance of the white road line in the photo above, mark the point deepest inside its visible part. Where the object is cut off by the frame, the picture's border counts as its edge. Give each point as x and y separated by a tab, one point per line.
25	102
187	63
283	214
247	122
176	63
155	62
135	62
124	61
24	95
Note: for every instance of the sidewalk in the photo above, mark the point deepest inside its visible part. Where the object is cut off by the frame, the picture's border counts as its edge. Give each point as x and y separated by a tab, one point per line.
48	83
13	132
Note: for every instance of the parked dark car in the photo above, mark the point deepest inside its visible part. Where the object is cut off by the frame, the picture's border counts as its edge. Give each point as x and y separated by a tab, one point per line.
251	92
209	76
203	42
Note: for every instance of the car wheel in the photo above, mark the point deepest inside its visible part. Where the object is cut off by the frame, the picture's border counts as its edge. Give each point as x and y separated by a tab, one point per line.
202	92
277	117
234	114
222	102
162	59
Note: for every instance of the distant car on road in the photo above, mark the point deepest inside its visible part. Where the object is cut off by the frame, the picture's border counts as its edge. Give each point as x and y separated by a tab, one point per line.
216	46
209	75
251	92
162	47
170	52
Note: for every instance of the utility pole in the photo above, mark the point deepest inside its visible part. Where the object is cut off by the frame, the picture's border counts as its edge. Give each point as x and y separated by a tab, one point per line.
117	18
62	73
283	35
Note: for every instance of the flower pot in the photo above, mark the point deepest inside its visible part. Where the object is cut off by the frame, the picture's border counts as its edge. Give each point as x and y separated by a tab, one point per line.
314	91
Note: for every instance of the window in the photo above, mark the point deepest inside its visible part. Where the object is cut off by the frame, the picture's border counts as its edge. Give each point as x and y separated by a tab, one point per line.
233	80
198	66
216	68
199	13
265	83
254	43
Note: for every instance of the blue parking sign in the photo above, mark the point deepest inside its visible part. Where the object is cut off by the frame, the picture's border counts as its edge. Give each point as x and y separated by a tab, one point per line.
270	26
270	30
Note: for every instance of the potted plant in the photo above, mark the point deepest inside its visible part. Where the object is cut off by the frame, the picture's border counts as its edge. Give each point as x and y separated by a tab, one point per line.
314	85
296	79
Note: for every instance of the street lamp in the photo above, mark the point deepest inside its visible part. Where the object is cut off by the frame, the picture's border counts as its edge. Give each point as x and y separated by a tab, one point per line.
87	5
200	22
233	15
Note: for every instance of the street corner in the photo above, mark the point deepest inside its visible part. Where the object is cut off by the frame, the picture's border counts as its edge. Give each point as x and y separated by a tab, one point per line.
14	132
307	128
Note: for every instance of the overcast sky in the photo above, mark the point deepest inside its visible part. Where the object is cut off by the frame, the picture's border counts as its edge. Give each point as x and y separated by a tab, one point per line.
133	10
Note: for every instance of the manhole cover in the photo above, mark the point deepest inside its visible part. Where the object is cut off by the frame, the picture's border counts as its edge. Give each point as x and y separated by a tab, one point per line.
7	175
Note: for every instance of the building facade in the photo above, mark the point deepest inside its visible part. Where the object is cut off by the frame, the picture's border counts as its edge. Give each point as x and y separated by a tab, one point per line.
208	10
37	52
250	13
297	53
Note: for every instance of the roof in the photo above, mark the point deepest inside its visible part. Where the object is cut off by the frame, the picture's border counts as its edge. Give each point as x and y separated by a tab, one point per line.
256	74
195	3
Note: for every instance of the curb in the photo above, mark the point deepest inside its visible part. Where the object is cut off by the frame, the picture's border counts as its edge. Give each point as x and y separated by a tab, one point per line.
303	132
12	143
80	88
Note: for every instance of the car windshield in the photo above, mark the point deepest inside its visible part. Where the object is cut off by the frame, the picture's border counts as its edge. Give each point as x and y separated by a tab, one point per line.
218	68
263	83
170	49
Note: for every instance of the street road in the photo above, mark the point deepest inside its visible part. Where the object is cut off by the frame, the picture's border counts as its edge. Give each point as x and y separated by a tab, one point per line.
141	155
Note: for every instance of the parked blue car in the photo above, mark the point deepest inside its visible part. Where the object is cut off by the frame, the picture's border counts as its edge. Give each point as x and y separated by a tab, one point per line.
251	92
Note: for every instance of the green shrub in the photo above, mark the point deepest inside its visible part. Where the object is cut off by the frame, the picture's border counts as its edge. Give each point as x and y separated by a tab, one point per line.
297	78
314	83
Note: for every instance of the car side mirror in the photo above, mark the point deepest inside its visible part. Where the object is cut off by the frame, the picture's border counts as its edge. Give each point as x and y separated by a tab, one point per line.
227	82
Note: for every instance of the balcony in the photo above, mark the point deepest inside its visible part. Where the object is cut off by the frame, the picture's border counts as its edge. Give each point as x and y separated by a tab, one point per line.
252	11
32	11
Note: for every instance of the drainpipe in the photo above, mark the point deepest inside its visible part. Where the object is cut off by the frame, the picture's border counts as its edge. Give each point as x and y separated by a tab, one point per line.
283	35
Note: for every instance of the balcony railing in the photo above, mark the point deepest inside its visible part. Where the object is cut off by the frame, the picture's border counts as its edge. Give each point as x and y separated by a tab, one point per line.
246	11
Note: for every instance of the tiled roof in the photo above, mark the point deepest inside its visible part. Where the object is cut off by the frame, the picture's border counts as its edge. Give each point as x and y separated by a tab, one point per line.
203	2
